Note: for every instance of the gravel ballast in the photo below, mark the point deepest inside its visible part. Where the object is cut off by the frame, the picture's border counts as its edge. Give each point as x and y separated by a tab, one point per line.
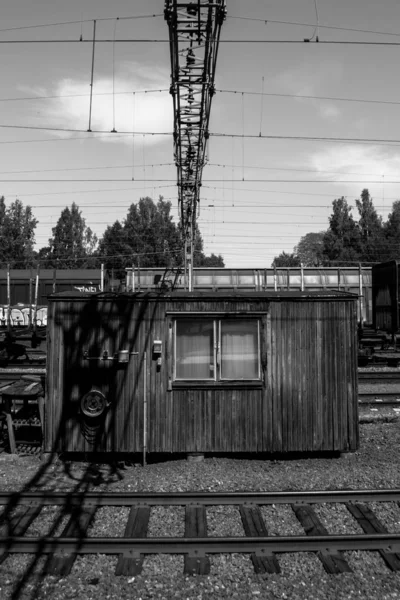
374	466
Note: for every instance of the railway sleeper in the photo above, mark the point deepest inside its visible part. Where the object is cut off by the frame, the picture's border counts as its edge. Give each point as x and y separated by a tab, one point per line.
371	524
332	561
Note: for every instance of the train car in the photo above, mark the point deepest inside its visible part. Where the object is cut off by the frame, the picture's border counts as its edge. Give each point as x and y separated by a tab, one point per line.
351	279
21	289
385	296
198	372
355	280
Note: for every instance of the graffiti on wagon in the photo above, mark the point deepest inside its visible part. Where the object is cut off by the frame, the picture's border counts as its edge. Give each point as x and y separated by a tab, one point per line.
21	316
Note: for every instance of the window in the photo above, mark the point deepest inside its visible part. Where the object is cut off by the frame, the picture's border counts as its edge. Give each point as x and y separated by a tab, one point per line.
217	349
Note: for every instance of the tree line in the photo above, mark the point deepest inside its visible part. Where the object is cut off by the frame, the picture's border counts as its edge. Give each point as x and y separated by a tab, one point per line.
348	241
147	237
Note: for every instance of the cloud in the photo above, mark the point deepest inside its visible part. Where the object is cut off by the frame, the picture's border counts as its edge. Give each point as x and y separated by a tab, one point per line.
141	112
369	161
305	81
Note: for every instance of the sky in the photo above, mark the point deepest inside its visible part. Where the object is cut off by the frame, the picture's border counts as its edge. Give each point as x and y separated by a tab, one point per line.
259	194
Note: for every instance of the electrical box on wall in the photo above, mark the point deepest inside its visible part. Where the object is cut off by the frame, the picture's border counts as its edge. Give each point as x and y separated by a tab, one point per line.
157	347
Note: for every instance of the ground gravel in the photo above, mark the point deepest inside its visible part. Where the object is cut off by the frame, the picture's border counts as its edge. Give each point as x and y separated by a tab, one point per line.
374	465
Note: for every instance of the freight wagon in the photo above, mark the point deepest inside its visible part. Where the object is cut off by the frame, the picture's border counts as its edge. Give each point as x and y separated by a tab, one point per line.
350	279
385	297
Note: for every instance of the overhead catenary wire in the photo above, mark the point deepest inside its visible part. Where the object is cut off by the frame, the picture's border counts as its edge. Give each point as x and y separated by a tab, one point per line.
246	180
228	41
320	25
376	141
309	97
41	25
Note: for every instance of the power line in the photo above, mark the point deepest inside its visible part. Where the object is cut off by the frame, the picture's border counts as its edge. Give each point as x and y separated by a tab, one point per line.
101	190
242	180
290	169
102	168
376	141
66	129
66	139
230	41
83	95
309	97
21	27
335	27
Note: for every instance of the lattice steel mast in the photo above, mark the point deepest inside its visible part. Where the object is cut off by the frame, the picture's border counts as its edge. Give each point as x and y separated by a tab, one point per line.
194	31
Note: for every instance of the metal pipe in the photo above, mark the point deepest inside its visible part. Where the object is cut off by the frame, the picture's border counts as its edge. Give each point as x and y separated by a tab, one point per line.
144	409
360	280
8	300
302	276
36	298
54	280
30	297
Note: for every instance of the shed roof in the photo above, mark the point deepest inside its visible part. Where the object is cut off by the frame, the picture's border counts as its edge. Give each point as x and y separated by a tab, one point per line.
295	295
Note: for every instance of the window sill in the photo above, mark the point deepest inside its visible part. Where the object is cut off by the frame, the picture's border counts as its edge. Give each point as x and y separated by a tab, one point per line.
238	384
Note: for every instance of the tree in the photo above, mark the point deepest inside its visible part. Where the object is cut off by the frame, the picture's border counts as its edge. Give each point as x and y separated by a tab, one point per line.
151	234
148	237
286	260
17	234
310	249
370	228
391	244
73	243
342	240
213	260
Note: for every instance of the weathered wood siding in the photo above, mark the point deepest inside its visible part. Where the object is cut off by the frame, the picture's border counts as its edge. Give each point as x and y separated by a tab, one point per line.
311	399
307	400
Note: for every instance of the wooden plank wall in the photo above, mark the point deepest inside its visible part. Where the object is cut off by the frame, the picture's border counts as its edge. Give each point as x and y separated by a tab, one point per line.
311	402
308	401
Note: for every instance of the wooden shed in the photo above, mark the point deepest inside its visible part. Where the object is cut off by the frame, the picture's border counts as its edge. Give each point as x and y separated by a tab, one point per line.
202	372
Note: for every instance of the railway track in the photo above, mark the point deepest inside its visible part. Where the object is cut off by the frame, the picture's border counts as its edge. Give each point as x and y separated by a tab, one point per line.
21	510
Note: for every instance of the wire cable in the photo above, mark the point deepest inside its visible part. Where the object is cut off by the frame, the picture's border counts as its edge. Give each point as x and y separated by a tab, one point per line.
21	27
309	97
297	23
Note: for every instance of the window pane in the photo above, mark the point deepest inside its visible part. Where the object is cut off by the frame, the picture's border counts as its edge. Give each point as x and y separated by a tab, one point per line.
239	349
194	349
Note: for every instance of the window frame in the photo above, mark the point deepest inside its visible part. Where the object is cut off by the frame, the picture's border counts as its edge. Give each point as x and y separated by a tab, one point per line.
217	347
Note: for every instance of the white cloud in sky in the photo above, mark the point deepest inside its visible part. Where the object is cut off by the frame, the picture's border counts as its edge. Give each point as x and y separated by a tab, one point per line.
151	112
366	160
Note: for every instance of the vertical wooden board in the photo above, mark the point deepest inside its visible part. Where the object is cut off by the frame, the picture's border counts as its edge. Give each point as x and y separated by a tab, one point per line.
278	396
306	416
267	394
334	378
274	382
315	438
290	392
355	375
294	404
320	407
344	375
328	421
297	372
352	395
304	375
298	406
282	370
309	423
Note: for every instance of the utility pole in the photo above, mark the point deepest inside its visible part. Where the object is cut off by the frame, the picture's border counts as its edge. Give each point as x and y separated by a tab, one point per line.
194	32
